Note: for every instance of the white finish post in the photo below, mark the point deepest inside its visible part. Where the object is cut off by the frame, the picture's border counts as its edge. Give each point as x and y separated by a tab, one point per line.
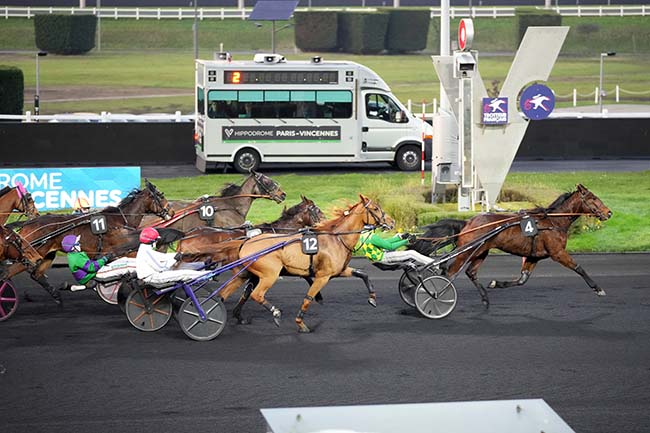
575	97
424	107
82	3
409	105
618	93
596	95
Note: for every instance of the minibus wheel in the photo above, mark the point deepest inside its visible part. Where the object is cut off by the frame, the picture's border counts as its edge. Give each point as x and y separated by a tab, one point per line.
408	158
246	160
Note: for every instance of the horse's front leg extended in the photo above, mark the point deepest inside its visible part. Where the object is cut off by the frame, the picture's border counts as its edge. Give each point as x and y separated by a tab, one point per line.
472	274
566	260
319	283
527	267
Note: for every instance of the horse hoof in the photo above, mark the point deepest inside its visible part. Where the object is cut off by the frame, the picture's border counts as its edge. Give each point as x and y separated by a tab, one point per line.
303	329
242	321
486	303
492	284
600	292
373	302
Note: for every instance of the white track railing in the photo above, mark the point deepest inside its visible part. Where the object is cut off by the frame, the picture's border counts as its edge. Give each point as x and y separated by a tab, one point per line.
226	13
103	117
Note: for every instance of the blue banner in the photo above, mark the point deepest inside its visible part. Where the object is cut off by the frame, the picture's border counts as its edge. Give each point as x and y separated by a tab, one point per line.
59	188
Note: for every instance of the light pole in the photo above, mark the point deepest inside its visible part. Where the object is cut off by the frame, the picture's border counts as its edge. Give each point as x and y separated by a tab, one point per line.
37	96
601	93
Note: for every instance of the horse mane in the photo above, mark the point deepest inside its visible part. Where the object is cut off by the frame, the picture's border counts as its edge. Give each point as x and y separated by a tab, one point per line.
556	203
339	214
5	190
126	200
229	190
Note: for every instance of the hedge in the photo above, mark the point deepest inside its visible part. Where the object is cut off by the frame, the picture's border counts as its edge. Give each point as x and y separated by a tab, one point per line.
316	30
408	29
530	16
362	32
65	34
12	89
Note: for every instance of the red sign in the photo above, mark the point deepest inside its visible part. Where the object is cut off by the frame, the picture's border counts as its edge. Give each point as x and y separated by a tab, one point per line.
465	34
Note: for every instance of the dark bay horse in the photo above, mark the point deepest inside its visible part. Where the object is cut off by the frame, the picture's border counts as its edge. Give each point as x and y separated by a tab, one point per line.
16	198
336	242
229	208
197	243
46	231
14	248
550	240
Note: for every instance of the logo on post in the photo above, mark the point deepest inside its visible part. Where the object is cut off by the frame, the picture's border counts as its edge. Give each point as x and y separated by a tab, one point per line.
537	102
495	111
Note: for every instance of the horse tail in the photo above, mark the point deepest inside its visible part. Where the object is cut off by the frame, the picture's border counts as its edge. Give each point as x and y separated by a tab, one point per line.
169	236
439	235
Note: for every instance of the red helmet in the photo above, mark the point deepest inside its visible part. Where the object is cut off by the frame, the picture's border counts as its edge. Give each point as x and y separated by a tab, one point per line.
149	235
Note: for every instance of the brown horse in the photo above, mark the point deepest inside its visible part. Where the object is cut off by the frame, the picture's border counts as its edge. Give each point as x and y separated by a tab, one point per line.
337	239
197	243
16	198
547	240
229	209
46	232
14	248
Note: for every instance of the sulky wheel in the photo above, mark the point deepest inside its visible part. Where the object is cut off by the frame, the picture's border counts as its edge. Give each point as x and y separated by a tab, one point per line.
409	281
108	292
435	297
8	300
147	311
194	327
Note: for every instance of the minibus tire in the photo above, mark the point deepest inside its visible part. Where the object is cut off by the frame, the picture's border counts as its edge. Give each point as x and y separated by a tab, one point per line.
408	158
246	159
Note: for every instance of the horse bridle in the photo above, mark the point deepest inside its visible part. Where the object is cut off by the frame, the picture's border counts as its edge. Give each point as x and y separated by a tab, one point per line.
25	200
379	221
13	239
312	209
584	196
259	180
157	198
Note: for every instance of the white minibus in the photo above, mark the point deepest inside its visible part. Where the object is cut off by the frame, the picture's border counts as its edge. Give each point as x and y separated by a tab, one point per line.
274	110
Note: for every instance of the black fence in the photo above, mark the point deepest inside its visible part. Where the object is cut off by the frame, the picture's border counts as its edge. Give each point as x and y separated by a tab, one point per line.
104	144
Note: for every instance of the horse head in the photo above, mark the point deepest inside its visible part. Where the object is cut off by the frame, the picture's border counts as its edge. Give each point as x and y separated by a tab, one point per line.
266	186
593	204
375	215
306	213
157	203
26	203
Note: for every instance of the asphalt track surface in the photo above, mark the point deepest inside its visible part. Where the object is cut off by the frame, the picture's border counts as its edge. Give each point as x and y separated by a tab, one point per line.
83	368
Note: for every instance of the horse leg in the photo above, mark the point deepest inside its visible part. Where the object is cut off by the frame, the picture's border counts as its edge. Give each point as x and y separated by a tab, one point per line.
372	296
260	290
313	290
563	258
472	271
319	297
526	269
249	285
39	276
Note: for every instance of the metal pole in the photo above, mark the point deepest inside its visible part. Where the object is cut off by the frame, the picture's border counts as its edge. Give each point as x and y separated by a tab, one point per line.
273	38
600	84
195	29
38	88
99	25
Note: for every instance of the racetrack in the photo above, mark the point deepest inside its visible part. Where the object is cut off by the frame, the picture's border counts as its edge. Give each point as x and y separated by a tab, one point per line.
84	368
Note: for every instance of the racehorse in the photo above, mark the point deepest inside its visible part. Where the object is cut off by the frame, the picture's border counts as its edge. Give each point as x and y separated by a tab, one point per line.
552	226
16	198
337	239
46	231
229	209
197	242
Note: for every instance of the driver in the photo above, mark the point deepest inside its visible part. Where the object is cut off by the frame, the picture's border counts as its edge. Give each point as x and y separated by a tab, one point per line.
382	250
154	267
82	267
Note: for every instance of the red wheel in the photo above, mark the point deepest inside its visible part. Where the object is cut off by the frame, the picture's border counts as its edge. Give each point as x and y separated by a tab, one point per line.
8	300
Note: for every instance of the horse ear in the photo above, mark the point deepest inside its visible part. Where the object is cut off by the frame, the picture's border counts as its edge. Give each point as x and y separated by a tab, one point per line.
363	198
580	187
303	198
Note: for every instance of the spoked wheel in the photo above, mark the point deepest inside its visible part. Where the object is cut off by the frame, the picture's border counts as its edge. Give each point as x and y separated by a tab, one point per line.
194	327
108	291
147	311
436	297
8	300
408	282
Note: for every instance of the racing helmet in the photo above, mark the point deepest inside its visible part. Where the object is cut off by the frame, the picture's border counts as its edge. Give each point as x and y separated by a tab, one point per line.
149	235
81	204
69	242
